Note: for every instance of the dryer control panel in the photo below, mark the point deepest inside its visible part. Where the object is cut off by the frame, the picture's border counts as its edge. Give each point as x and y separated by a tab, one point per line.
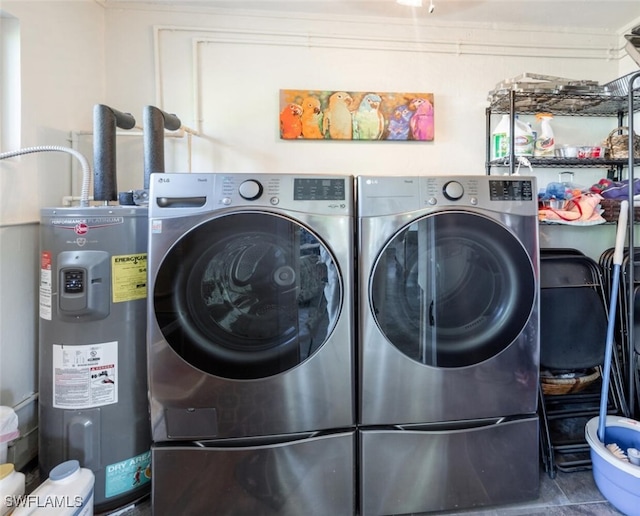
511	190
388	195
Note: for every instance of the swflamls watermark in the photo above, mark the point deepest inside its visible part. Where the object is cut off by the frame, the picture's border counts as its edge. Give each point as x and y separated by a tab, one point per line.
44	501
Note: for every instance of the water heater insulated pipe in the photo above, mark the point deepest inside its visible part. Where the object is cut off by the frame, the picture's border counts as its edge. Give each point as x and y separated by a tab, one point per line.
105	121
155	121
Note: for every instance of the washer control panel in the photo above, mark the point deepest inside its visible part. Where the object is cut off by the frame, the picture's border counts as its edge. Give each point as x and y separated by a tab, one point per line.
440	190
203	191
250	189
453	190
304	189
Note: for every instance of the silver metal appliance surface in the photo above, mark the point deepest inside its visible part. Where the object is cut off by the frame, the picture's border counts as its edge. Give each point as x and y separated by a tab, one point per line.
311	475
250	316
448	339
93	403
430	468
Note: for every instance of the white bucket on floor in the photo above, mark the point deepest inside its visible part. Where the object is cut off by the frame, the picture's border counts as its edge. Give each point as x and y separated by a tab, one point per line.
67	492
12	484
8	430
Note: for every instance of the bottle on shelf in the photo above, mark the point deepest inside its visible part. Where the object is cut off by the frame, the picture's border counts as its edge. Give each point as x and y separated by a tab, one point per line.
545	143
524	139
500	139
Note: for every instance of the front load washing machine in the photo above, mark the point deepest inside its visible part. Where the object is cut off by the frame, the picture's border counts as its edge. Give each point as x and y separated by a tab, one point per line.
250	344
448	342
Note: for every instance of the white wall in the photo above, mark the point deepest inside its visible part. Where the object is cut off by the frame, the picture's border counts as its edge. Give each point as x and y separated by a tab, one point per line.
220	73
62	76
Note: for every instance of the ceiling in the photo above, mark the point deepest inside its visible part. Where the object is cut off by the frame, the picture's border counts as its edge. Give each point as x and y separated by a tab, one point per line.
610	15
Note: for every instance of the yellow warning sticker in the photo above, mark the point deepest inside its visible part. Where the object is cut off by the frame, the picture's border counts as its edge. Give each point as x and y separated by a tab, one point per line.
129	277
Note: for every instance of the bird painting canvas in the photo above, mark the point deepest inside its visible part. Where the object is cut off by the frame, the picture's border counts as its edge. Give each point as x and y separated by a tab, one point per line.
352	115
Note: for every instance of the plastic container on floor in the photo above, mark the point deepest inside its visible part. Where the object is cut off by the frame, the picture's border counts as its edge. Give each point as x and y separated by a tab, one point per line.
12	484
67	492
617	480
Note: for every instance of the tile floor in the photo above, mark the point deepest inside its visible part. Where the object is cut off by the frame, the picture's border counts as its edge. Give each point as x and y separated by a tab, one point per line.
567	494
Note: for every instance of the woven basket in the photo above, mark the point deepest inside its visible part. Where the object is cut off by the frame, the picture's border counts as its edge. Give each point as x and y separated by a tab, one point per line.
555	386
617	144
611	210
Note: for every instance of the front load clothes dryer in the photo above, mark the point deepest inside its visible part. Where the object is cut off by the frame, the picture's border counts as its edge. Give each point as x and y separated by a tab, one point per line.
448	342
250	344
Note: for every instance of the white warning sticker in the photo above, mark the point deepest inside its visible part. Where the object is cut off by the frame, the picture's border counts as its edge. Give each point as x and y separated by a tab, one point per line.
45	285
85	376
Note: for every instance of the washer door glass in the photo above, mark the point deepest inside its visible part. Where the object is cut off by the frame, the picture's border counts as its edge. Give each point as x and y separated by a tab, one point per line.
247	295
452	289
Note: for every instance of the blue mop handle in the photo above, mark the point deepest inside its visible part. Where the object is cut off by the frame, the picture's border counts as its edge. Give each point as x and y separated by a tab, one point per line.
618	255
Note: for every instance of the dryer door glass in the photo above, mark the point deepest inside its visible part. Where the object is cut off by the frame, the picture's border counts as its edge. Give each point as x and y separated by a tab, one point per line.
453	289
247	295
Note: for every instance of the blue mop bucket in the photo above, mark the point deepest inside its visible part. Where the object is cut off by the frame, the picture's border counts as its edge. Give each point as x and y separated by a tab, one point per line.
617	480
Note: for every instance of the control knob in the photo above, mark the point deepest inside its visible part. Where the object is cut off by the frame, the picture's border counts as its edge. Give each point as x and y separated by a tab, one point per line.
453	190
250	190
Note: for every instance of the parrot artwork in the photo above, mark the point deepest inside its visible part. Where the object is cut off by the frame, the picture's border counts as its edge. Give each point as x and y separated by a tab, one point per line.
311	118
399	123
290	121
337	123
422	120
368	120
